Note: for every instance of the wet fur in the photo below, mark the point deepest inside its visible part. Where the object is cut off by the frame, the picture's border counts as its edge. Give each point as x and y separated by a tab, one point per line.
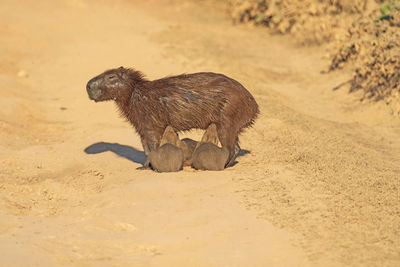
184	102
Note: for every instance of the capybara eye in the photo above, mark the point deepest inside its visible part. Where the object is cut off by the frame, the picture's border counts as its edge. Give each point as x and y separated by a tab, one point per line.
112	77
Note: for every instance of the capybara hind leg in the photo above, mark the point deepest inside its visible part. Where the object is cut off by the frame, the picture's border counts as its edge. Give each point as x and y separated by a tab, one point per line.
237	149
150	142
228	137
146	164
236	153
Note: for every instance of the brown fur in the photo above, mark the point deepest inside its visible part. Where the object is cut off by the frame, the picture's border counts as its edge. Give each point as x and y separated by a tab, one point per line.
168	157
207	155
209	136
184	102
188	146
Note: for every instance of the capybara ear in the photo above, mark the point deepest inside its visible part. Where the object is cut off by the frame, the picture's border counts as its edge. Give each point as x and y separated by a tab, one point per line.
123	72
210	135
169	136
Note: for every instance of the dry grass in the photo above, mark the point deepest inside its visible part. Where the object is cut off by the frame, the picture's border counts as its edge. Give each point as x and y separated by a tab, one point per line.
363	33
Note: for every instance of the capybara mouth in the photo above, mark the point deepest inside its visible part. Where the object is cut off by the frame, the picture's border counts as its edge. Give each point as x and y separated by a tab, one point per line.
93	91
94	95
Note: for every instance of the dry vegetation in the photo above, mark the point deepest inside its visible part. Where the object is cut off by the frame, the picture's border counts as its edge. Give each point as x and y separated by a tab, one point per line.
373	44
363	33
310	21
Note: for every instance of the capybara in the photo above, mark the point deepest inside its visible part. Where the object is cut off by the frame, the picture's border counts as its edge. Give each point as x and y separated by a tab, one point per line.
188	146
184	102
168	157
207	155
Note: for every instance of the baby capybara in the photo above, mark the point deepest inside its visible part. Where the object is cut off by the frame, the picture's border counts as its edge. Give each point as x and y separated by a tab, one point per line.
168	157
188	146
207	155
184	102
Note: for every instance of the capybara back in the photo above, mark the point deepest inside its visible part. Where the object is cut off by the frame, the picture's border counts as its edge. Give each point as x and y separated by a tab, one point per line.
209	157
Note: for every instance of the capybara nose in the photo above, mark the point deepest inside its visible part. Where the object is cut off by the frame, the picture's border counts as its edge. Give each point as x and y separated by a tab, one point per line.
89	89
90	84
92	90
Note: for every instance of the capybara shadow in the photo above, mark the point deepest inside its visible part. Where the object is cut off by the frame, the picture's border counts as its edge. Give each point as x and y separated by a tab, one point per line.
124	151
183	102
168	157
207	155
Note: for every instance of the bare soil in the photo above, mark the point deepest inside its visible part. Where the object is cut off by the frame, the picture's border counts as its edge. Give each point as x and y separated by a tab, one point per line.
317	184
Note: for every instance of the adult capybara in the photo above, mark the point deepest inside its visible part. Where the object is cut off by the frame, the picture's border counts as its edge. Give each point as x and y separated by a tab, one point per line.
184	102
168	157
207	155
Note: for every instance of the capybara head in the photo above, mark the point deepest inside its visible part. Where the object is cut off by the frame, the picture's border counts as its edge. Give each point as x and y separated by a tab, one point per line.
111	84
168	157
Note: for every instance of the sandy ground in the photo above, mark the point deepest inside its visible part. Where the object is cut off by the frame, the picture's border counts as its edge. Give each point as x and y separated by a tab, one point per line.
318	184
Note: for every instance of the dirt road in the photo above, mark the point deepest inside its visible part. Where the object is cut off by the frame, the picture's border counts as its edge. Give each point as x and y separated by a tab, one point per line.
318	184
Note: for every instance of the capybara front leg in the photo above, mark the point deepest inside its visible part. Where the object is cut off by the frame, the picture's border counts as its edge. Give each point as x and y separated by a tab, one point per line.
150	142
146	164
